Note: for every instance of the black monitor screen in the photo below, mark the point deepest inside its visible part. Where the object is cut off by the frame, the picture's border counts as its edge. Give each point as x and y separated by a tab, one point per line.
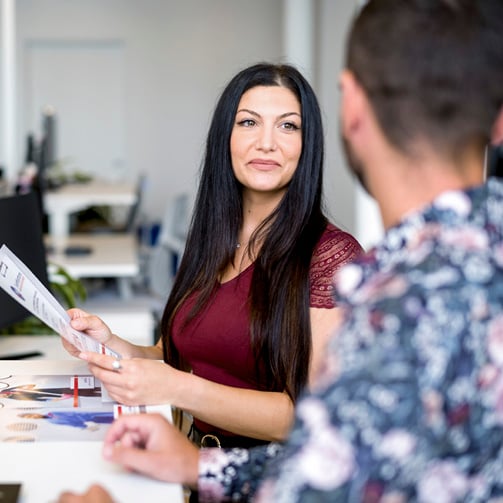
21	231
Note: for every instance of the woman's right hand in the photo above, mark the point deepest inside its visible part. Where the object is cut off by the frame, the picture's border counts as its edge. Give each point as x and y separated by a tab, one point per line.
90	324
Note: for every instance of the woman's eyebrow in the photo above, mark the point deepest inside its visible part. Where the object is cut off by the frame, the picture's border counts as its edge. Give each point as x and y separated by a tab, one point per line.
247	110
282	116
287	114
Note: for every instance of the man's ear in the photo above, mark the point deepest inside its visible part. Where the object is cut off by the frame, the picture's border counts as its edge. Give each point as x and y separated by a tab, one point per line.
353	103
497	131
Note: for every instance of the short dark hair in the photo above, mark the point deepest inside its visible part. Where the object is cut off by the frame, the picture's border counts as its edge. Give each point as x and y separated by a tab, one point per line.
433	69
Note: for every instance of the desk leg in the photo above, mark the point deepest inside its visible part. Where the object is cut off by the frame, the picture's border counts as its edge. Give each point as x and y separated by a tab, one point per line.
59	226
124	285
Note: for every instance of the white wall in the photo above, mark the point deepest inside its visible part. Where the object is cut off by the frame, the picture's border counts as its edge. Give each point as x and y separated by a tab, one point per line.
333	21
177	56
7	86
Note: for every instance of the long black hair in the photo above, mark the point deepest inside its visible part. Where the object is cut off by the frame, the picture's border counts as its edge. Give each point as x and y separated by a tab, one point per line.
279	297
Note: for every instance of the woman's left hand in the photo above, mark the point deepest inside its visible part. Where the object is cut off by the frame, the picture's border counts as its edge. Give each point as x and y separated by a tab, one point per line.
133	381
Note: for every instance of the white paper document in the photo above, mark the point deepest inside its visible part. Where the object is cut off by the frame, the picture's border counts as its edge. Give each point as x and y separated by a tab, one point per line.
20	283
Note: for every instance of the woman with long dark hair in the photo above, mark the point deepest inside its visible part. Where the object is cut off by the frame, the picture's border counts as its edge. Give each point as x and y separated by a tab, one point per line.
244	326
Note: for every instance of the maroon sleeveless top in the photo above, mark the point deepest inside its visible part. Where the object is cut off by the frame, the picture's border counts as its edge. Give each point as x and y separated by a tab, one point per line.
216	343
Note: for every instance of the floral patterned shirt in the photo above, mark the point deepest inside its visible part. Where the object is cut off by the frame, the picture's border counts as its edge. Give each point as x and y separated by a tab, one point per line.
409	404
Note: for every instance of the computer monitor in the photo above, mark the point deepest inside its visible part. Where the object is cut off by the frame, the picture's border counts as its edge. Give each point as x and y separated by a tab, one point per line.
40	184
21	231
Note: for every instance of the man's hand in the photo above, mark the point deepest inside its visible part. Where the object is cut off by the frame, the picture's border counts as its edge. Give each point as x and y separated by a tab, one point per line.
95	494
148	444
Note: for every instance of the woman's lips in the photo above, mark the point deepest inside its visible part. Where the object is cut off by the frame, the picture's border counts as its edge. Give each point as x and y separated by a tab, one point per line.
264	164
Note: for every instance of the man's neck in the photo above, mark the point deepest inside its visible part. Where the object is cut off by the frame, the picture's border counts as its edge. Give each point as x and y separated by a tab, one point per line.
411	184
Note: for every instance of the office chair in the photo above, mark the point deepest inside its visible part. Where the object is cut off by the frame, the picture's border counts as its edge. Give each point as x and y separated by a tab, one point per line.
163	258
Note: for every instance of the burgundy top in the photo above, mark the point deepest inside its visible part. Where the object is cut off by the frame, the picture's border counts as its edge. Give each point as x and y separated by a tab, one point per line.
216	343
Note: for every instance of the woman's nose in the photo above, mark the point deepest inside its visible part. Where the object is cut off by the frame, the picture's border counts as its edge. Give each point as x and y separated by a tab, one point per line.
266	139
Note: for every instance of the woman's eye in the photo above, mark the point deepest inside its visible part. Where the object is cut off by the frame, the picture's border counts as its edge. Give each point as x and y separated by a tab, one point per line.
246	122
290	126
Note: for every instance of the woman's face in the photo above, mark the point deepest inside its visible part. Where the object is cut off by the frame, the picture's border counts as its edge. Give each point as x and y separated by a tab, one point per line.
266	140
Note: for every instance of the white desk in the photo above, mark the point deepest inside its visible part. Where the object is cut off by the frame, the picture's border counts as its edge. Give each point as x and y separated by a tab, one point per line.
45	469
60	203
50	346
112	256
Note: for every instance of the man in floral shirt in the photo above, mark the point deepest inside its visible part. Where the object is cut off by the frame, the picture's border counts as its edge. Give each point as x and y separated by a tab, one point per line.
409	403
417	412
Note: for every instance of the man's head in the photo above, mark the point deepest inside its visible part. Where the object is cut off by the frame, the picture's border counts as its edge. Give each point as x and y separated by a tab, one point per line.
432	71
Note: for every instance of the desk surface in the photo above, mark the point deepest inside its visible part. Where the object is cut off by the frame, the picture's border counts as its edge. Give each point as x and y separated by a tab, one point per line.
50	346
112	255
73	196
45	469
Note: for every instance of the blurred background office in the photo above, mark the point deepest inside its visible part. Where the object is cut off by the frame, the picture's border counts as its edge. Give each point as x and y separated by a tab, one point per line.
133	84
124	90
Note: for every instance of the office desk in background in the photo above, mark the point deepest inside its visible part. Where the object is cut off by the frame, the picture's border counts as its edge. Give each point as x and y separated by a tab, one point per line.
45	469
111	256
50	346
60	203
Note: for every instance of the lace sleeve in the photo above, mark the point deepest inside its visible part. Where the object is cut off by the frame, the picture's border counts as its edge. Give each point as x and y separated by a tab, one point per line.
334	249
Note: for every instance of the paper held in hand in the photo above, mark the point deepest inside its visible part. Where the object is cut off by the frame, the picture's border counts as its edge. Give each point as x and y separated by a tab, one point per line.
20	283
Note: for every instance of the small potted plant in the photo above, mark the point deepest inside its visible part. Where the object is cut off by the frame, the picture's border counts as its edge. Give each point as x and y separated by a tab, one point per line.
65	288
